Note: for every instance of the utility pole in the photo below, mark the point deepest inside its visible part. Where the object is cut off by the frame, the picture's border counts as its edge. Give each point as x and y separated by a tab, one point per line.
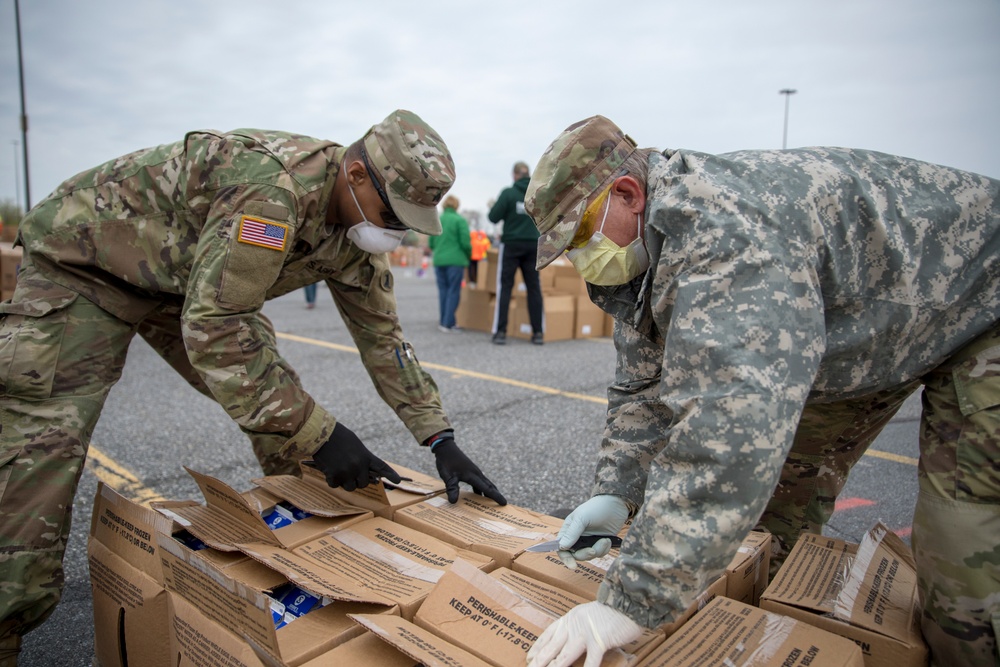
787	92
24	115
17	181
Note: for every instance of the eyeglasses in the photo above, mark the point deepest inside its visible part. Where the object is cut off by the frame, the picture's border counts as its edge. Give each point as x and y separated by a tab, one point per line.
388	216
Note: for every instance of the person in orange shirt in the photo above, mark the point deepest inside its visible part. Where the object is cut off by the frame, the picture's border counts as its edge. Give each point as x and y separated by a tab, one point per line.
480	244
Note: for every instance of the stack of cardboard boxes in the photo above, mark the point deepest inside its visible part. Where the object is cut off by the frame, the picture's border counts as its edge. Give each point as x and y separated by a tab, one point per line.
294	573
10	264
568	310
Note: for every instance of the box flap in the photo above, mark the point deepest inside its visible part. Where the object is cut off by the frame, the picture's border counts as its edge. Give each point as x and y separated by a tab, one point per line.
128	529
813	573
313	498
305	574
226	520
880	591
239	608
421	645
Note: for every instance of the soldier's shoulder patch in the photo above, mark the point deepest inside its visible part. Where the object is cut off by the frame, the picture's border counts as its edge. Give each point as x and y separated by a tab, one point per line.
263	233
386	280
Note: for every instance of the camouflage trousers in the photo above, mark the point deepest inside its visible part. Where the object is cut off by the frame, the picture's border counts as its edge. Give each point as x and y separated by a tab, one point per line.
59	356
956	522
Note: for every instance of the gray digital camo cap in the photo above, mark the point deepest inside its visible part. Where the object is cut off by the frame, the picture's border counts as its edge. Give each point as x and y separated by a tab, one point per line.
415	165
571	169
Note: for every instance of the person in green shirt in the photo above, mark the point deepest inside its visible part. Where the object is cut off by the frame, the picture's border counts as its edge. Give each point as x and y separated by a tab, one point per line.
452	250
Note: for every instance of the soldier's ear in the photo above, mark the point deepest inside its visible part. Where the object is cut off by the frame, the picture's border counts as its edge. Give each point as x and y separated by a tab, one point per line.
632	192
356	173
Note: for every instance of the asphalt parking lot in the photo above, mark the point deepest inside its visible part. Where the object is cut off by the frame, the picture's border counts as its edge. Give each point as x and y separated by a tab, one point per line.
530	416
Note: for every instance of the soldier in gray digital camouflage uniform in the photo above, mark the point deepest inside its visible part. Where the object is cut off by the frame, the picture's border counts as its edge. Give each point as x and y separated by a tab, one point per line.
772	311
182	244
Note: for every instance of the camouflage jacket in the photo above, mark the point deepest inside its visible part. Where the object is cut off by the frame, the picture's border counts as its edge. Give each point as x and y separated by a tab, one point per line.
219	223
777	278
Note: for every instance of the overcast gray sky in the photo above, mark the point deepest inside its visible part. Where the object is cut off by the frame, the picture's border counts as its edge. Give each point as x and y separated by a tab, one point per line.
499	81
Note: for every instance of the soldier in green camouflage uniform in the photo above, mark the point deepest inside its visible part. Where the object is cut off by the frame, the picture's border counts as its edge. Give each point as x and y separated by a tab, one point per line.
182	244
792	301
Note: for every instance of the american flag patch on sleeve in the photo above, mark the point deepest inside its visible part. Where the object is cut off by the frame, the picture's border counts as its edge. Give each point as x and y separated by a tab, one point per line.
264	233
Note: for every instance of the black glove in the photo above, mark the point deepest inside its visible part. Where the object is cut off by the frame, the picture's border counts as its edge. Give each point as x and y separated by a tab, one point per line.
454	467
346	461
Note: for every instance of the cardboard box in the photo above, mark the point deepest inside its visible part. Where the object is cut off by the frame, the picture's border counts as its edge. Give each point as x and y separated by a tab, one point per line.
130	603
475	310
392	641
866	593
238	601
228	519
747	573
478	524
588	575
727	632
195	640
589	322
488	272
10	265
498	617
380	499
573	284
372	561
557	318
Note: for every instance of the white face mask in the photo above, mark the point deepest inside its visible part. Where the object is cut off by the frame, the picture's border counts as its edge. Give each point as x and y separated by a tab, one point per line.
369	237
604	262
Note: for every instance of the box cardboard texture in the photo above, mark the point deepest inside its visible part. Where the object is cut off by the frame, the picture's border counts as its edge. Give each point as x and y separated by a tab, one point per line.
130	602
499	616
864	592
392	641
727	632
380	499
478	524
228	519
10	265
747	573
235	601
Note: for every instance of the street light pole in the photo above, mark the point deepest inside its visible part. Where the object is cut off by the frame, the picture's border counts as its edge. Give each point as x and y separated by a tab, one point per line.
787	92
24	115
17	181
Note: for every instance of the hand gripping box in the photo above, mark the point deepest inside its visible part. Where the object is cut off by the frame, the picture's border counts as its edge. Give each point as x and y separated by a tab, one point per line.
130	602
866	592
391	641
499	616
384	499
730	633
478	524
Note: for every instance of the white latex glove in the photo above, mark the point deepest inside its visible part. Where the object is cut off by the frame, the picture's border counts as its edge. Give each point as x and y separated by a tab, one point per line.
592	628
603	514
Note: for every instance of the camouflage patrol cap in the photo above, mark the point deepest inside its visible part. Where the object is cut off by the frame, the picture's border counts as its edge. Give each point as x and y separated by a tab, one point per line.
572	168
416	166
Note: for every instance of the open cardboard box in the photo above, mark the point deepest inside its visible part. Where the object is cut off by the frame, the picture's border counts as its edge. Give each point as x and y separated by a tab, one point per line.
731	633
130	603
866	592
478	524
380	498
229	519
392	641
744	580
499	616
236	603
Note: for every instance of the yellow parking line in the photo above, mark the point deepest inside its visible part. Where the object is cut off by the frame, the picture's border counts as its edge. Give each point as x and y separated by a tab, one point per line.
111	473
456	371
119	478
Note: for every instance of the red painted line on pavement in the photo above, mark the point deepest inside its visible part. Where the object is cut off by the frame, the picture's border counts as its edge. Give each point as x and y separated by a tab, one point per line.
851	503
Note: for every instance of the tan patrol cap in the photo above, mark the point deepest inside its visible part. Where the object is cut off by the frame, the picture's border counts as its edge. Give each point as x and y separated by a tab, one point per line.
416	166
570	170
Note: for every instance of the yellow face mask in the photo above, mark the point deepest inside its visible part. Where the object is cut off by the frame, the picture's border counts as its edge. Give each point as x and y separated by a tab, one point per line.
603	262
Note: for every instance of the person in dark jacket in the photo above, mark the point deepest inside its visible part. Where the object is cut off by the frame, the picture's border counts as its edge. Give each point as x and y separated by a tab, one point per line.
518	249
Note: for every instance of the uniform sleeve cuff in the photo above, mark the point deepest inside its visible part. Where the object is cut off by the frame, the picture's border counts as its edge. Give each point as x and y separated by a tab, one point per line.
316	431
